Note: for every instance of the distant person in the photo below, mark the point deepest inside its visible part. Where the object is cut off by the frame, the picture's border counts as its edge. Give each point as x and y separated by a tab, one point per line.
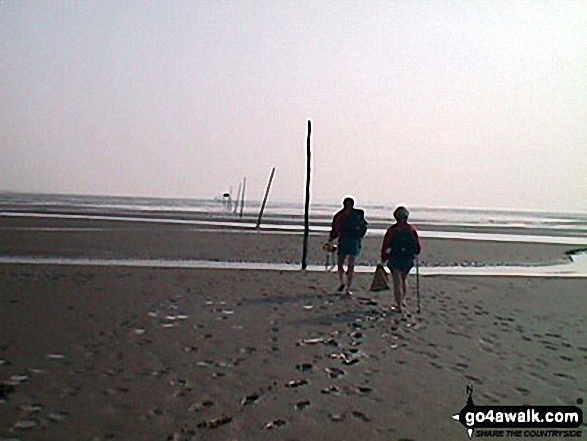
401	245
349	226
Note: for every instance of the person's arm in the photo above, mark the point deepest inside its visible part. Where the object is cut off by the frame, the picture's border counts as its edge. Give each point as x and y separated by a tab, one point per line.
334	229
386	243
418	243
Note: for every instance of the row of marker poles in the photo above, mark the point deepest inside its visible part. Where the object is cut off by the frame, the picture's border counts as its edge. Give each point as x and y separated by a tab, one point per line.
307	201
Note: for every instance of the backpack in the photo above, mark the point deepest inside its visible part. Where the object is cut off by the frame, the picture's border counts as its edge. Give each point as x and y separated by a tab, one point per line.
403	245
355	225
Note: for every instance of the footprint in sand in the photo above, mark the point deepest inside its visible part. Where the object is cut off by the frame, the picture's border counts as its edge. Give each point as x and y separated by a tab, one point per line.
537	376
336	417
57	416
330	390
457	333
522	390
562	375
153	413
215	422
296	383
302	405
304	367
334	372
275	424
436	365
489	397
198	407
55	356
363	390
474	379
360	416
25	424
31	408
250	399
486	345
430	355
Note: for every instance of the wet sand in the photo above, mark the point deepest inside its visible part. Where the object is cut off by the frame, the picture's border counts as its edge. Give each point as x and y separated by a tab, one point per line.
120	239
97	353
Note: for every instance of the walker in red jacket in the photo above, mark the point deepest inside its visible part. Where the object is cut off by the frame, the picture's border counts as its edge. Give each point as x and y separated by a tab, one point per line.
401	246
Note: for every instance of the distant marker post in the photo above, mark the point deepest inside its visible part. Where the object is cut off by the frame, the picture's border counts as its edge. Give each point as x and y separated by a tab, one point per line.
265	198
243	196
238	198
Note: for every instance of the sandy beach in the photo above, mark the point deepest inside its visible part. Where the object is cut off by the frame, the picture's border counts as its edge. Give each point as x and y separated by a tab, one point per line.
170	174
101	353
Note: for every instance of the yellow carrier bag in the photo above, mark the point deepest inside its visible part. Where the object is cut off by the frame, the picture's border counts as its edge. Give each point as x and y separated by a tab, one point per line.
380	279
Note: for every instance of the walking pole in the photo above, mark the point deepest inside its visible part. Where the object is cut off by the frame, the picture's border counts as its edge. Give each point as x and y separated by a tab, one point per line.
418	282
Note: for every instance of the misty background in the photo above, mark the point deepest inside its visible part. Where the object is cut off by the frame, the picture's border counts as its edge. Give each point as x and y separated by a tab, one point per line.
432	103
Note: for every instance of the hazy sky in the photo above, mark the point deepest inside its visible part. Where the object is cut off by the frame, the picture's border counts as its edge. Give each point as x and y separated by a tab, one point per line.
437	103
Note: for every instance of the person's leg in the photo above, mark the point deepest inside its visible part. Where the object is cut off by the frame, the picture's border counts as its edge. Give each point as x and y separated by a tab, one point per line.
350	272
404	276
397	287
341	258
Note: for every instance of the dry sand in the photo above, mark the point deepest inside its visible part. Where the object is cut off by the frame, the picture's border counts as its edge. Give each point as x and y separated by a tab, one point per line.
97	353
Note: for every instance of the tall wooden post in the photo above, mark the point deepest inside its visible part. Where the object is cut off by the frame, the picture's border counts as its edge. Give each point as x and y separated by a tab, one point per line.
265	198
307	205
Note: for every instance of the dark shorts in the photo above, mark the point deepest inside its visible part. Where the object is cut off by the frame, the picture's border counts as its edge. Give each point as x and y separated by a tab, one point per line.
349	247
400	264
